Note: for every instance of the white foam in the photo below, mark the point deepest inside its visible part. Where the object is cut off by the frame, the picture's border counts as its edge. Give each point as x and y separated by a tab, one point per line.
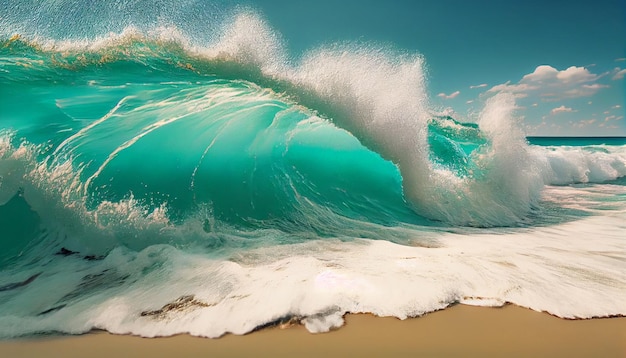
568	165
571	270
55	191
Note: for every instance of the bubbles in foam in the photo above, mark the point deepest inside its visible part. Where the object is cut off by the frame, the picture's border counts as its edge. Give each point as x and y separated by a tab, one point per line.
248	39
317	282
380	97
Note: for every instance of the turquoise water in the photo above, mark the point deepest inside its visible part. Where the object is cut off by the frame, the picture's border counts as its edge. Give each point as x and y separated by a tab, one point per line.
577	141
167	164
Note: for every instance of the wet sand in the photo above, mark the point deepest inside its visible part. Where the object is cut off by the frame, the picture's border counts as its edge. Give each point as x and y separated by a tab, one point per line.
459	331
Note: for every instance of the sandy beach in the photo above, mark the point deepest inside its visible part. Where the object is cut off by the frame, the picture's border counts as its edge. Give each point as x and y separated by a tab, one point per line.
459	331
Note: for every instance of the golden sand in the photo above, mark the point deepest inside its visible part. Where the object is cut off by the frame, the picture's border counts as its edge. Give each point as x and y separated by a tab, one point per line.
459	331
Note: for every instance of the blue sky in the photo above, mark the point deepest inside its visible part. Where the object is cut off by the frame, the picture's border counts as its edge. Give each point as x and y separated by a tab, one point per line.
564	61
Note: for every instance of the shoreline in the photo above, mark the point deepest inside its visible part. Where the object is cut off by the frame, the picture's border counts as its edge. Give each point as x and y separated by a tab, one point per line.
459	330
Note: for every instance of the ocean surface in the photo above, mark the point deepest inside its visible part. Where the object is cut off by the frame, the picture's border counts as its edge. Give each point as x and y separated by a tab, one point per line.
165	178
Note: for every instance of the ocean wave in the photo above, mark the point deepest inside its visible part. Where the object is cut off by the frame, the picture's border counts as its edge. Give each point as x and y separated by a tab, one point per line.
378	97
239	93
192	176
589	164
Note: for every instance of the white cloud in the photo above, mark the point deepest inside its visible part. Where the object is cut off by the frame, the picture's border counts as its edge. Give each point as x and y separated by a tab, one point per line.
603	125
551	84
479	86
619	74
519	90
576	75
449	96
595	86
613	118
561	109
620	59
580	91
541	73
617	106
469	102
572	74
582	124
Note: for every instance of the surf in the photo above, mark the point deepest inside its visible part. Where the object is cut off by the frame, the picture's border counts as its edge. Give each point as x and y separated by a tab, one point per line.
155	178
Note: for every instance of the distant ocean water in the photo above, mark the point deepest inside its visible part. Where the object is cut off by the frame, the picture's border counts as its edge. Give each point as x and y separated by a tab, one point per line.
155	180
577	141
